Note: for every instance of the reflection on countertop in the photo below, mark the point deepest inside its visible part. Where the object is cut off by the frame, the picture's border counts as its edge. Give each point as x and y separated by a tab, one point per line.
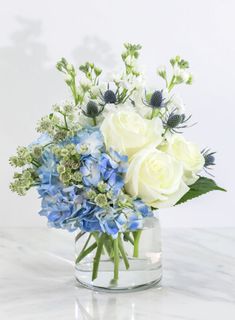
36	279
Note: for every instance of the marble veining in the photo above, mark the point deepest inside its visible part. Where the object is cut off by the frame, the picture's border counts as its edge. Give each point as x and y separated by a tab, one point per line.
37	279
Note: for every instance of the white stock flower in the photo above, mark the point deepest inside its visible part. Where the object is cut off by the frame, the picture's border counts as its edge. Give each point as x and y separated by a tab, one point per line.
97	89
131	61
181	73
86	83
155	177
127	132
189	154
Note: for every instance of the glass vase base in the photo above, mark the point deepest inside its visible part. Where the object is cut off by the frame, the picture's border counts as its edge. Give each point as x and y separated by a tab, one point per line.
131	280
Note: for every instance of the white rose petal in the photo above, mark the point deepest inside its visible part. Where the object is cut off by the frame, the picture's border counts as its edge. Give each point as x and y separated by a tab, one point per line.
189	154
127	132
155	177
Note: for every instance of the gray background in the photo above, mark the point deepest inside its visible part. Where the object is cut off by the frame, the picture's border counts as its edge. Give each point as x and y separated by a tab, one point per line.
35	34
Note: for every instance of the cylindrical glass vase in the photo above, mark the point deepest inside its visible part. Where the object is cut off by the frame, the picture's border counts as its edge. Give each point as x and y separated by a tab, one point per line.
131	261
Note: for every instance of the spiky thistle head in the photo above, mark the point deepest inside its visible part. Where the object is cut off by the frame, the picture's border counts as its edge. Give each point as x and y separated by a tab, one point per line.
110	97
156	99
209	158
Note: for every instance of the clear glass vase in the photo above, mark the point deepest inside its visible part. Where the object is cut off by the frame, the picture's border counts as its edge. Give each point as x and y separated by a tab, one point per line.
129	262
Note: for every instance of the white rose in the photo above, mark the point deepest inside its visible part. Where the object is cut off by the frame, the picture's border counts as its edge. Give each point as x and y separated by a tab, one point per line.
127	132
155	177
189	154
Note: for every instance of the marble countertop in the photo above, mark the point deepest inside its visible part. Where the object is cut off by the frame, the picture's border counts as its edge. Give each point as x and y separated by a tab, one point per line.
37	283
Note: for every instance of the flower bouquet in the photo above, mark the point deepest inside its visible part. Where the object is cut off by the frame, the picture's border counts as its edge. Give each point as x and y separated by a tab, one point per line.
107	160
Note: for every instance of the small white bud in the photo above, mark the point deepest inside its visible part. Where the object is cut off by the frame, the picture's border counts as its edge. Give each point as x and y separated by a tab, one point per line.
68	78
181	73
69	67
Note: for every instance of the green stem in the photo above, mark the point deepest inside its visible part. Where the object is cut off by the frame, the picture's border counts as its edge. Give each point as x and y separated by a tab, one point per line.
34	185
61	128
84	253
94	121
79	235
152	113
165	131
166	82
128	96
36	164
116	260
65	121
81	254
122	251
96	236
108	244
172	84
136	235
46	145
74	91
127	237
97	256
87	241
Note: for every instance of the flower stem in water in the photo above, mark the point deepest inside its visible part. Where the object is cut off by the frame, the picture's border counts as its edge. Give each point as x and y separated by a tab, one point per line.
136	235
116	260
127	237
122	251
100	243
85	252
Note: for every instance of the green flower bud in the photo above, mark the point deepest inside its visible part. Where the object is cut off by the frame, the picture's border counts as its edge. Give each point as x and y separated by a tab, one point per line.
91	194
97	71
64	152
56	108
61	135
16	175
37	151
77	176
65	177
109	195
70	67
75	165
102	186
83	149
101	200
61	169
26	175
190	79
68	108
56	151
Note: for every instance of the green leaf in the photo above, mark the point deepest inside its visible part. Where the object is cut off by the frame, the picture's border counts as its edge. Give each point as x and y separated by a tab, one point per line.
200	187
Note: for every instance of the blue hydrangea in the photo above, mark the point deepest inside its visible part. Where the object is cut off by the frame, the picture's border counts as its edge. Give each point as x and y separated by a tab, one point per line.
61	206
104	168
70	208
